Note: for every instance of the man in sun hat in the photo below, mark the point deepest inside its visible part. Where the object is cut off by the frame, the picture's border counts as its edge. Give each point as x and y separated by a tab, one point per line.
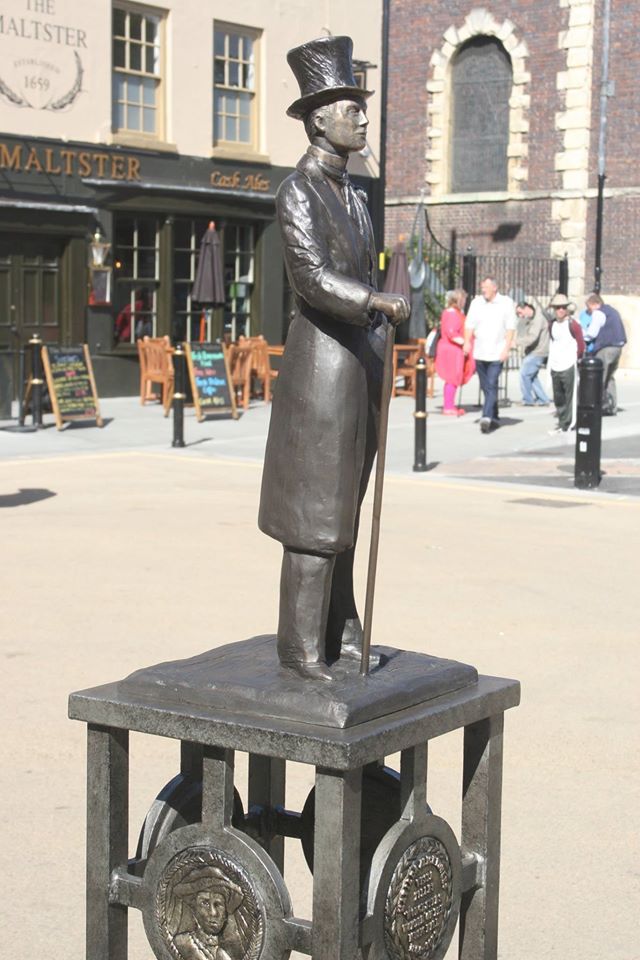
566	347
323	432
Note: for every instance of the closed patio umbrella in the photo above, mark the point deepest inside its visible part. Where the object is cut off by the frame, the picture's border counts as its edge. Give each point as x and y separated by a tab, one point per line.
397	278
208	286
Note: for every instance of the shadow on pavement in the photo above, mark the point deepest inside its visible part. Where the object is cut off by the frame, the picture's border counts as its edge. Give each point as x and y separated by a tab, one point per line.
629	486
86	424
23	497
509	421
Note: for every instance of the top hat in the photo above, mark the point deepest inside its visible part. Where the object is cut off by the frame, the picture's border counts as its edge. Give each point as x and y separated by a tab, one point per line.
324	72
561	300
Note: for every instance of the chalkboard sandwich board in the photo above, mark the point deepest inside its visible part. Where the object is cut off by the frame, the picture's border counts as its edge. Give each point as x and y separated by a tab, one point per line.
72	387
210	378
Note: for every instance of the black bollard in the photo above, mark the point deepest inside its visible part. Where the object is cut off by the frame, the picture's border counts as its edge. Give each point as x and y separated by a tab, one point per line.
589	424
36	379
178	397
21	386
420	414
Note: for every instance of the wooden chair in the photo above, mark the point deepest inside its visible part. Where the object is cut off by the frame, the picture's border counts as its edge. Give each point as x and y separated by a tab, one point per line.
275	351
240	357
261	372
156	367
405	358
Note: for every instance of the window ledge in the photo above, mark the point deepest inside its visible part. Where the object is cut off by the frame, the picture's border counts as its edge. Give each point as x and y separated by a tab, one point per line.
142	143
240	152
128	350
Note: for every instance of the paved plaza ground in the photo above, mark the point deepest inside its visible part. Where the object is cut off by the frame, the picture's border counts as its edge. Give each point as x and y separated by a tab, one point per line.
121	552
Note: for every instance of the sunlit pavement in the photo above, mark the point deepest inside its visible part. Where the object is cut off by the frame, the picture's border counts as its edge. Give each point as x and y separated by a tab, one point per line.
521	451
121	551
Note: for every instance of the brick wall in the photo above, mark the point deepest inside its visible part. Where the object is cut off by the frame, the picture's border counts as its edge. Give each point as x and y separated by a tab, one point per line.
559	35
623	109
620	245
416	31
621	219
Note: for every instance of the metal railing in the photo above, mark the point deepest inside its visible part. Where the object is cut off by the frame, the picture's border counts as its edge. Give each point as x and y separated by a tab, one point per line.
535	279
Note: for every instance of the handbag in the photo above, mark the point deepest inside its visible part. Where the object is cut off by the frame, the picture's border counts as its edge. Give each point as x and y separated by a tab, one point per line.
432	343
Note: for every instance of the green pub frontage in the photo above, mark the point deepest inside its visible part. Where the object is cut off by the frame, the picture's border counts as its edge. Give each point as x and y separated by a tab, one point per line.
151	210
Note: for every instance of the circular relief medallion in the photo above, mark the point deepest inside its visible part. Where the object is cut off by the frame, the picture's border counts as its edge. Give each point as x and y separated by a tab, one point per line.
419	901
206	908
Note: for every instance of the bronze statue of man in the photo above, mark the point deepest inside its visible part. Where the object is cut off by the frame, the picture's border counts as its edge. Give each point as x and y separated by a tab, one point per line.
323	433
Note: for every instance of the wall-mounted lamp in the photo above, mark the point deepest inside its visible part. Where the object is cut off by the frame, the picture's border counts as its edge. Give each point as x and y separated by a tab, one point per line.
99	272
99	249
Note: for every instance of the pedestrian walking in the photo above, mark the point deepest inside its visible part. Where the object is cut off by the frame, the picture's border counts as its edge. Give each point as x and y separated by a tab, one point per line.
533	339
566	347
452	365
491	323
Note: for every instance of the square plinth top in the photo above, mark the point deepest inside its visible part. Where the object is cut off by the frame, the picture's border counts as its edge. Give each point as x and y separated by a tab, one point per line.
239	697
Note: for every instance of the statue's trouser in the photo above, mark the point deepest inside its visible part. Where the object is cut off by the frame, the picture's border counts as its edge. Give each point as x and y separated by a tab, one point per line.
317	606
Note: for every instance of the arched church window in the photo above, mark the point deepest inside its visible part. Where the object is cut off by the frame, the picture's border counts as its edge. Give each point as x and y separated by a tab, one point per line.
481	86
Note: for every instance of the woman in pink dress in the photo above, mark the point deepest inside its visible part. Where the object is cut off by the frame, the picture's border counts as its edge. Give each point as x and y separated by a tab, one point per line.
451	364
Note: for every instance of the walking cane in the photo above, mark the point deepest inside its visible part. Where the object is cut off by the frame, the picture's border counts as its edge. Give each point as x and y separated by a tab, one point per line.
377	495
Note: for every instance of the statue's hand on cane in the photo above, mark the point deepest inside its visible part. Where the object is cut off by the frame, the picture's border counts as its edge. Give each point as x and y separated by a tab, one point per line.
395	307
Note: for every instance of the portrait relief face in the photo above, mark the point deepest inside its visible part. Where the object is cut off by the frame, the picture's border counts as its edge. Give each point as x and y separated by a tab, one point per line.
204	894
210	910
344	124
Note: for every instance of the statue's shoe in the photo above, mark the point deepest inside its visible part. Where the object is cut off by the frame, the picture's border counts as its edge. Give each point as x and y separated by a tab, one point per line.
353	651
309	670
351	645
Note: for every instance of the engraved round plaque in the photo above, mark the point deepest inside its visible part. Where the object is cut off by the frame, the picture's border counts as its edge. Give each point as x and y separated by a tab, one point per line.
214	894
418	902
206	907
413	891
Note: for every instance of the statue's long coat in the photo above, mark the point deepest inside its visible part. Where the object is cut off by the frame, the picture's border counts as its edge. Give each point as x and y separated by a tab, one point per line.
322	436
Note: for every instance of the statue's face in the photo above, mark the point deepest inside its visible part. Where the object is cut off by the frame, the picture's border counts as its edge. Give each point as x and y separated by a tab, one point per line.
344	124
211	911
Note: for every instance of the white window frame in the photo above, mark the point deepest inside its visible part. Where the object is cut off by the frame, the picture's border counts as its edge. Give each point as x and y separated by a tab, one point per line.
133	280
220	144
124	132
192	318
239	286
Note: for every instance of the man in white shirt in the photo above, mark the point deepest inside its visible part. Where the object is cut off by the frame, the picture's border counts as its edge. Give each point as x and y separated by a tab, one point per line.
491	323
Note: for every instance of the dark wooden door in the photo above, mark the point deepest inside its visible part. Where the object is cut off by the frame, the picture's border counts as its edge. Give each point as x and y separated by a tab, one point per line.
30	291
30	277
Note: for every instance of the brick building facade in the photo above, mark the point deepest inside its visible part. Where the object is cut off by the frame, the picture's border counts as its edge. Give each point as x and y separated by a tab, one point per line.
546	205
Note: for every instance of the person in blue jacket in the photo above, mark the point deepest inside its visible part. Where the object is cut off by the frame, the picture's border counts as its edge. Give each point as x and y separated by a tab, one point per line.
607	337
